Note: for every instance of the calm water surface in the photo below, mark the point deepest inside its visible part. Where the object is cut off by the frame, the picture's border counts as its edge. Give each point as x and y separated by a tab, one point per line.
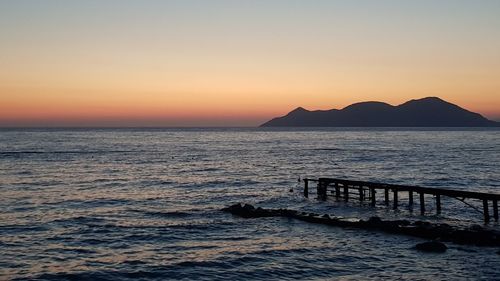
144	204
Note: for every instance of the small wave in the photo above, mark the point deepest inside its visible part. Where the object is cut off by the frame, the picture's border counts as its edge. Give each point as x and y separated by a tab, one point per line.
71	250
198	264
237	238
93	241
326	149
134	262
166	182
98	202
21	228
211	169
245	183
283	252
155	182
172	214
79	220
201	226
216	183
24	173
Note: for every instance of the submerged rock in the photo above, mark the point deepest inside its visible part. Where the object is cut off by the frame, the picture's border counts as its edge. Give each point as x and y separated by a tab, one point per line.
374	221
432	247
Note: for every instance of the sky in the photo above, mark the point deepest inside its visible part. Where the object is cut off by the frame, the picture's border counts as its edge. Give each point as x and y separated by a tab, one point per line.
239	63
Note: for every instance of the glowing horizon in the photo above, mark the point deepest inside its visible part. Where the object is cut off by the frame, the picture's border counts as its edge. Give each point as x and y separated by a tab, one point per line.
238	63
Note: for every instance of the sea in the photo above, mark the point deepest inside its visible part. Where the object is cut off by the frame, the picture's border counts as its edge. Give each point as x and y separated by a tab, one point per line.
145	203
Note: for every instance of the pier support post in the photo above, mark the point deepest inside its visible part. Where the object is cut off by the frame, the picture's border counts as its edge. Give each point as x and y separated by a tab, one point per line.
337	190
438	204
386	191
486	211
321	190
361	195
346	193
495	209
372	191
306	188
410	198
422	203
395	206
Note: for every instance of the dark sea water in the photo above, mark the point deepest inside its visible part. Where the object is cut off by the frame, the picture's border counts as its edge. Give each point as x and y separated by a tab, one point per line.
134	204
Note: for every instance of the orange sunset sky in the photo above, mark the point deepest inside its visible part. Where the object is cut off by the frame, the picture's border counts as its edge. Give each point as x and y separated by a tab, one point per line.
239	63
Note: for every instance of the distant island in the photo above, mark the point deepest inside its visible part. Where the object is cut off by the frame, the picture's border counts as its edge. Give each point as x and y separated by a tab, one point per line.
426	112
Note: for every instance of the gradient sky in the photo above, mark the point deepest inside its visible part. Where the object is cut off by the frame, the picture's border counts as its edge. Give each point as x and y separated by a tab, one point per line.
238	63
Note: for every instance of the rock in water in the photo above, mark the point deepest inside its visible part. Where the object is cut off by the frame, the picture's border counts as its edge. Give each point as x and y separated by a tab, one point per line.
245	211
432	246
477	235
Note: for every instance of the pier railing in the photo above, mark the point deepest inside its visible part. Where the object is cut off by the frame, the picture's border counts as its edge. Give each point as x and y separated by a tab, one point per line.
366	191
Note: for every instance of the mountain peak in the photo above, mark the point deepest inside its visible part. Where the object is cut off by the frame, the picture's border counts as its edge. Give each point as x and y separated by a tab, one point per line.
299	109
427	99
367	105
430	99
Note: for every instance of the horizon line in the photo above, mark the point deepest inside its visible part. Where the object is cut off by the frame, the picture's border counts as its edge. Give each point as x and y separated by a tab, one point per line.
225	127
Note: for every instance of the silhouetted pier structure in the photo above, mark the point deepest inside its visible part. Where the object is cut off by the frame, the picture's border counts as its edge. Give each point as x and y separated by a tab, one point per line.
367	191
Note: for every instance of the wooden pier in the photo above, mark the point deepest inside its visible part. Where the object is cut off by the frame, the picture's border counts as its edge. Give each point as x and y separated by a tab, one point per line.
366	191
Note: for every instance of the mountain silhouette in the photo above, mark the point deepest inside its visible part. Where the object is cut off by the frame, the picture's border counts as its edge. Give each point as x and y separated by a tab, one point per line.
426	112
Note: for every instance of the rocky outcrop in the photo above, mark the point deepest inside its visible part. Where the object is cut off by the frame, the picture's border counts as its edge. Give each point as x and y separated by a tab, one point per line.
432	247
475	235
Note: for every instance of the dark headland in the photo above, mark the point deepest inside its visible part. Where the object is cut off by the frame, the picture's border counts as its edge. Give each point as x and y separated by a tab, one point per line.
426	112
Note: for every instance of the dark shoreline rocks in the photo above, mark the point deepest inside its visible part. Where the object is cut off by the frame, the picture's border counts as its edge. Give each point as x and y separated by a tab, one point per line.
475	235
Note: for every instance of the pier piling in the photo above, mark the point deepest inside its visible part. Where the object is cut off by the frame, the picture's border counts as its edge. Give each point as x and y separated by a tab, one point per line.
322	190
422	204
438	204
410	199
306	188
337	190
372	192
495	209
486	211
395	206
386	193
